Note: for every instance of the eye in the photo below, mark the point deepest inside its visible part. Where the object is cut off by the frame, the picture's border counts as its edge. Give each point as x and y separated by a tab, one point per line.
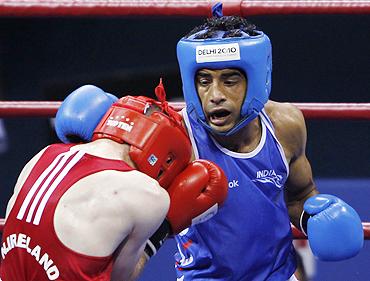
203	81
231	81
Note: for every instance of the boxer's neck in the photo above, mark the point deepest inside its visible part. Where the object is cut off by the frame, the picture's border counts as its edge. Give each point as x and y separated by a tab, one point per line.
245	140
109	149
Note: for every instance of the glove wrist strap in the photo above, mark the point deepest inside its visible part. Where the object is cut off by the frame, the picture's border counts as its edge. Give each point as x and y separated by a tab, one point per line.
157	239
303	222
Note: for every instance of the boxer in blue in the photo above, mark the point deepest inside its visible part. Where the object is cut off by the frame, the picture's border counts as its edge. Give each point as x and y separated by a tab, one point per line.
226	68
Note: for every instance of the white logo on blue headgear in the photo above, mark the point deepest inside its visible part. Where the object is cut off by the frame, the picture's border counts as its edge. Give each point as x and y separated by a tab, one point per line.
217	52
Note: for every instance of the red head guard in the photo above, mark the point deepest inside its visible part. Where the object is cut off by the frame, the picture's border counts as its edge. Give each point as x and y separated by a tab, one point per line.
160	146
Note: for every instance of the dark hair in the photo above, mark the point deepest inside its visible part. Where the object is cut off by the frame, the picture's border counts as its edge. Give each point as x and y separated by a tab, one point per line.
151	109
233	25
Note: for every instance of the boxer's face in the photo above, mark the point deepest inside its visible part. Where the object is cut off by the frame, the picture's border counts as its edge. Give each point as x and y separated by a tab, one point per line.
221	93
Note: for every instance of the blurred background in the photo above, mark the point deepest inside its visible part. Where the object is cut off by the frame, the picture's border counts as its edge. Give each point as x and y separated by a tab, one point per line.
316	58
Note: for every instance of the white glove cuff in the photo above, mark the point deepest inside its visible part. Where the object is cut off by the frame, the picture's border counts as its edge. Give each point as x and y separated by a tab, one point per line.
303	222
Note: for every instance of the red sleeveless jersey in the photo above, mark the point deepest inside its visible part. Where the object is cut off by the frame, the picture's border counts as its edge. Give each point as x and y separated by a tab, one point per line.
31	250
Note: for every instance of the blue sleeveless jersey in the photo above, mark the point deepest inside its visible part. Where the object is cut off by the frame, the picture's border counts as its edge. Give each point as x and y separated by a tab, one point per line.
249	239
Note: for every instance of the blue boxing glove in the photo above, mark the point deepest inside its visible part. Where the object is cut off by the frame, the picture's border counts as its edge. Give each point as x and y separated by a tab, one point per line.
334	228
81	112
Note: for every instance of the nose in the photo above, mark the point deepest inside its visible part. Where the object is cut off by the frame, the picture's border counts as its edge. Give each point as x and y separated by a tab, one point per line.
217	96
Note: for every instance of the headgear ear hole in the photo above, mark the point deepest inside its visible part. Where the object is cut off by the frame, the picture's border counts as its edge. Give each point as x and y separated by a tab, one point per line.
169	159
160	173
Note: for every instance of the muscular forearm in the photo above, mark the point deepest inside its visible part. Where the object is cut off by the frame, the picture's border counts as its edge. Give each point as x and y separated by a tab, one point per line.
295	206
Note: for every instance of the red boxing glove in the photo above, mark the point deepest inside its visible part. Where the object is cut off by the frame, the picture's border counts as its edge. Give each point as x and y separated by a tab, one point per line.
196	194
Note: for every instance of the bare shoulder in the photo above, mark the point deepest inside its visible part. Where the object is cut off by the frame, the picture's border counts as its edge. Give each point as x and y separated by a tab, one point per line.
149	201
289	125
132	187
286	113
140	183
124	192
126	201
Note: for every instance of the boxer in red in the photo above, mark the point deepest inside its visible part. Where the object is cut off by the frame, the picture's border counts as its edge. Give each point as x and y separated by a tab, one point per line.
86	211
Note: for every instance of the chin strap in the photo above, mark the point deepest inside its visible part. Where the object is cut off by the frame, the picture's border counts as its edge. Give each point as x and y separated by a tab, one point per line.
234	129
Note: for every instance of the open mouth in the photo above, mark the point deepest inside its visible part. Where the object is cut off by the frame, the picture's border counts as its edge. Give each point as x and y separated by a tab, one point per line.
219	117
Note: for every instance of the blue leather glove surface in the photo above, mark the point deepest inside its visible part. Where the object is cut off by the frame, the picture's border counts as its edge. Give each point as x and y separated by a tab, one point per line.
334	229
81	112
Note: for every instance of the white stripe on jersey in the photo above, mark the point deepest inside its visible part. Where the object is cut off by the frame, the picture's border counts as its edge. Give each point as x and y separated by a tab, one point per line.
190	132
268	123
293	278
35	186
61	176
46	184
49	185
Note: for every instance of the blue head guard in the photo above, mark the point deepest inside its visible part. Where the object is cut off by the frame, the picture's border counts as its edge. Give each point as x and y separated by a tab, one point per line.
249	53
